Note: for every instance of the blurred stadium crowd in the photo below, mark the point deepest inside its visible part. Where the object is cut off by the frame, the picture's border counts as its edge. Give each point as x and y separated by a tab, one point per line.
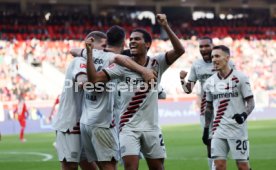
32	39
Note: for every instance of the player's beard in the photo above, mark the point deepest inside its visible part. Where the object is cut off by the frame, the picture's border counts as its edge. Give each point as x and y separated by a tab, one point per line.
207	56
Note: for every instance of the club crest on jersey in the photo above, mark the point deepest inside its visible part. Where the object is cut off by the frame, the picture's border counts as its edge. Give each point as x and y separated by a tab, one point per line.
111	65
82	65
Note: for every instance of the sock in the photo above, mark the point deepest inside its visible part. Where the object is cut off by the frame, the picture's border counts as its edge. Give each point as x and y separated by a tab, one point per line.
22	134
210	163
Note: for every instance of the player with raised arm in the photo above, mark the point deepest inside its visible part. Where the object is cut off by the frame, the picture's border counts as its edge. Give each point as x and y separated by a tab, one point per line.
230	99
66	122
139	124
201	70
97	122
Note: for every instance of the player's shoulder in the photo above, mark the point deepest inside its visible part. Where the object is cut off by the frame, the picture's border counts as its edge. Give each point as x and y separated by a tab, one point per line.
159	56
103	54
212	77
232	64
239	74
198	62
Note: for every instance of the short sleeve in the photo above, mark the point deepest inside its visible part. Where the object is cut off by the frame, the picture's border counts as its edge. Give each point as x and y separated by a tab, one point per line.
207	87
246	88
192	75
163	65
79	67
114	71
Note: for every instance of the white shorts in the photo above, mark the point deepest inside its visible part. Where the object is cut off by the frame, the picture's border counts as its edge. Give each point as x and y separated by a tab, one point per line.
100	144
69	147
150	143
221	147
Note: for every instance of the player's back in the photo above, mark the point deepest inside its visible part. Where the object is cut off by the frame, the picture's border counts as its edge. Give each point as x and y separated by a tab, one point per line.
98	100
70	107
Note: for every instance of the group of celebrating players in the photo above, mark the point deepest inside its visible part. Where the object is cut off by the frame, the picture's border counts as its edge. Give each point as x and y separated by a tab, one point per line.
109	104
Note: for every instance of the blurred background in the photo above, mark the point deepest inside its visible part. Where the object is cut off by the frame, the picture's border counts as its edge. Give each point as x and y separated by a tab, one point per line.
36	35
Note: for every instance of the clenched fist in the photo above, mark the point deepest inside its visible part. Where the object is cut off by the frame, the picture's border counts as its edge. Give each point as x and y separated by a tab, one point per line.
89	44
183	74
162	19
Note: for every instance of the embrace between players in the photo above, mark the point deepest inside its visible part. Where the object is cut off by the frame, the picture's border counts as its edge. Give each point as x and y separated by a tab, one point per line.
102	127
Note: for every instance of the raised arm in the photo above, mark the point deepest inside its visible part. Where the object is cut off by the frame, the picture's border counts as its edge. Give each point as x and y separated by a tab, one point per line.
147	74
92	75
178	48
186	86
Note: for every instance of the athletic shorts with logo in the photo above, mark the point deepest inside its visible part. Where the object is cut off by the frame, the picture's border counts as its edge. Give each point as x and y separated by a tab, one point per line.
150	143
69	147
239	148
100	144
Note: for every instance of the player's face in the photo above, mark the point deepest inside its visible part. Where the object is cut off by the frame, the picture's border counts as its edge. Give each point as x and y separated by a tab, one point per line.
137	44
220	59
205	48
101	44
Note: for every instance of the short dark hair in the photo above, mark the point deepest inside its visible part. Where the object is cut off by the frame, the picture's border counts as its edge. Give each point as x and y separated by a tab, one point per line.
222	48
206	38
146	35
97	35
115	36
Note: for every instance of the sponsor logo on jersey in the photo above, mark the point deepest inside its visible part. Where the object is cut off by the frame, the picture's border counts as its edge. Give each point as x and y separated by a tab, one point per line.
91	97
136	81
226	95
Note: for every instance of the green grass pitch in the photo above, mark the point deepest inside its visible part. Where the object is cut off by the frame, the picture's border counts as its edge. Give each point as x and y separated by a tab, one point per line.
183	143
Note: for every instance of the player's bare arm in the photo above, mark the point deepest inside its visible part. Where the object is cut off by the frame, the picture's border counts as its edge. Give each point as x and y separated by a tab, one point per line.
92	75
208	114
208	120
250	105
100	76
147	74
178	48
241	117
186	86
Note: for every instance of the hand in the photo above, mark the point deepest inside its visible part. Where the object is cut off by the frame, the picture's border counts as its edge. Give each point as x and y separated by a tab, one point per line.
162	19
183	74
76	129
205	136
149	75
89	44
240	118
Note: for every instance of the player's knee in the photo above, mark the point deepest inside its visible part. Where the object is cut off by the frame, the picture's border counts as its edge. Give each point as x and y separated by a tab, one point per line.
130	166
156	167
72	166
156	164
131	162
242	165
220	165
